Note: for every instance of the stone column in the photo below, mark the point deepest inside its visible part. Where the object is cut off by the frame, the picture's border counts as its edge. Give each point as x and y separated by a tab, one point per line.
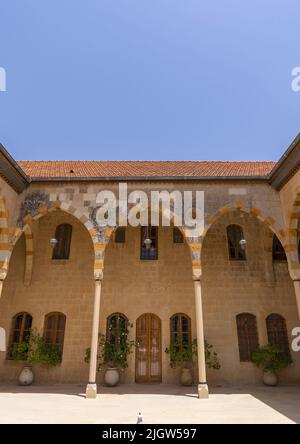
2	340
1	286
91	388
3	274
202	384
296	282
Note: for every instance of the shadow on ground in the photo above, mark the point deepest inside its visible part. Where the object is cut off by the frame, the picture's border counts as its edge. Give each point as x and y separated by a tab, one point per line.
283	399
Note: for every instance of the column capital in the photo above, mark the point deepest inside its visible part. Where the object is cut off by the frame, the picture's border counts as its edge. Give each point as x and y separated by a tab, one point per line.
98	275
3	274
197	275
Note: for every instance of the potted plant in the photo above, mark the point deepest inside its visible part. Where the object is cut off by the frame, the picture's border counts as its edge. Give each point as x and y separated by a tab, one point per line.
113	351
34	350
271	359
184	356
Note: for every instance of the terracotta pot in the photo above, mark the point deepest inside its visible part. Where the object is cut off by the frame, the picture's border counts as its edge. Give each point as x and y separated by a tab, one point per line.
111	377
26	376
270	379
186	376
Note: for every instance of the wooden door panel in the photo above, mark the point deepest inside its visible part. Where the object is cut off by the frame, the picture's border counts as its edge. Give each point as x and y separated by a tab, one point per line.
148	351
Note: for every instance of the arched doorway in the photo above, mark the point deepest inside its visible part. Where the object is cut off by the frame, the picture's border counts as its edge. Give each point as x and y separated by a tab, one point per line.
148	351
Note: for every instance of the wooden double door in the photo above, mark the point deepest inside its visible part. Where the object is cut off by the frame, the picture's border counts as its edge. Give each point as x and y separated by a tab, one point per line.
148	350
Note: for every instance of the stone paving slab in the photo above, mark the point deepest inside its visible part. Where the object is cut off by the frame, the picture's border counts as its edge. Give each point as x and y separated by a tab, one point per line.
158	403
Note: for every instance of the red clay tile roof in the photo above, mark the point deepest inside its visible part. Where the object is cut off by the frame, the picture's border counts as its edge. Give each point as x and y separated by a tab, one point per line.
79	169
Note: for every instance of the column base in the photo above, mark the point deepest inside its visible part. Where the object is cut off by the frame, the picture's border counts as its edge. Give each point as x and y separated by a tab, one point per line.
203	391
91	391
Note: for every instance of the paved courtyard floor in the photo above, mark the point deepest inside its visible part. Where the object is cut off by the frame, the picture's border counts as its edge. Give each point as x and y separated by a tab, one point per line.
157	403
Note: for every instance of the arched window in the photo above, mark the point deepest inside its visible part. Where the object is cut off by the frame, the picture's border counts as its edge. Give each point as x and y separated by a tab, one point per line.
120	235
277	333
20	330
63	235
54	330
278	253
116	329
180	330
177	236
235	249
247	335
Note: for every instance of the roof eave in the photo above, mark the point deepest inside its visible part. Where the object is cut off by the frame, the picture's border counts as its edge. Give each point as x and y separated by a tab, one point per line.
287	166
142	178
11	172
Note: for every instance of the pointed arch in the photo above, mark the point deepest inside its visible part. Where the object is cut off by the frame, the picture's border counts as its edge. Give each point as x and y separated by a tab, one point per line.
5	245
195	244
99	240
293	238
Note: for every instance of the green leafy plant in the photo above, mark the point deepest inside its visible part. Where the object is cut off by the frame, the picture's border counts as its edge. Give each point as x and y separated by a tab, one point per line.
211	357
19	351
182	356
35	350
185	355
270	358
113	350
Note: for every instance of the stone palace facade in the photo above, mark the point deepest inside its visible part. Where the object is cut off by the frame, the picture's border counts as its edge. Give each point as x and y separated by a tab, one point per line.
210	286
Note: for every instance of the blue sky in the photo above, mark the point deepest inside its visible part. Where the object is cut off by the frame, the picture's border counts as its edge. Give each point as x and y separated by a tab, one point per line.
149	79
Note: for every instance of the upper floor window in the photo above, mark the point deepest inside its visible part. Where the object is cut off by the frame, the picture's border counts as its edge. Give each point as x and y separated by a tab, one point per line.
278	253
180	330
20	331
277	333
120	235
54	330
236	248
177	236
149	243
247	335
116	329
63	235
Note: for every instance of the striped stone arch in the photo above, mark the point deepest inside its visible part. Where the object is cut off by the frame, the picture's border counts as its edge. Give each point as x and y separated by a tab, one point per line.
190	241
292	237
169	214
99	239
28	255
5	245
28	250
196	243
